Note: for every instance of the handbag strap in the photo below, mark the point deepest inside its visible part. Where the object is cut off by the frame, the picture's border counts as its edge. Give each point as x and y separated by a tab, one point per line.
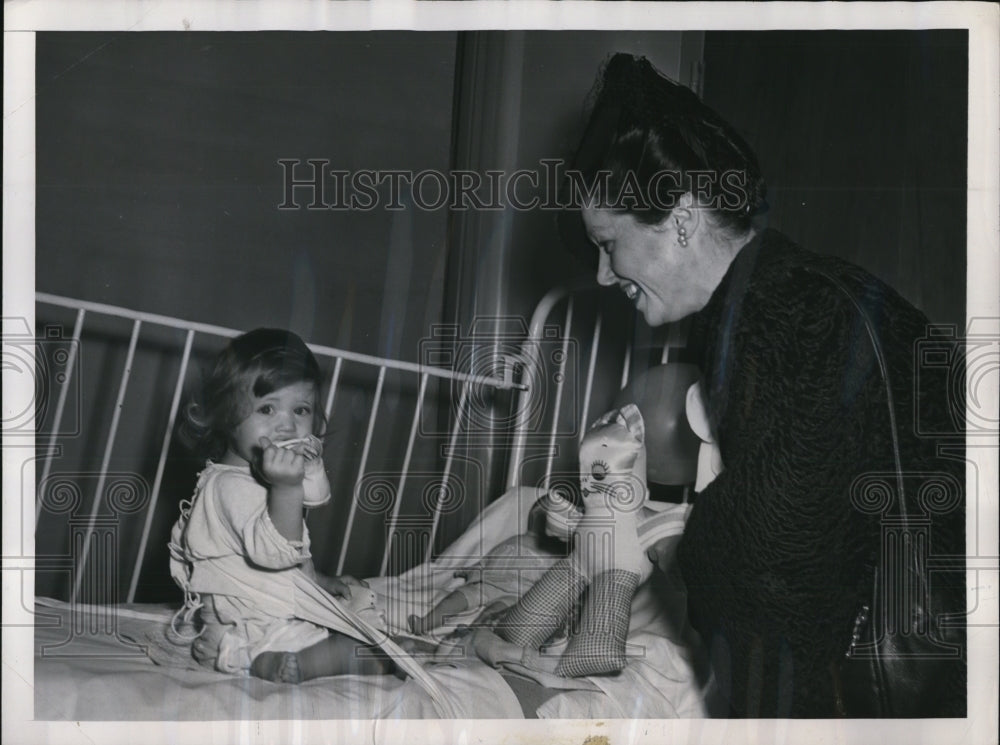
863	617
883	370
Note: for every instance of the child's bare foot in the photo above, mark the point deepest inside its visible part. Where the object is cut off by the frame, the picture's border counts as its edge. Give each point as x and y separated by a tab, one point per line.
278	667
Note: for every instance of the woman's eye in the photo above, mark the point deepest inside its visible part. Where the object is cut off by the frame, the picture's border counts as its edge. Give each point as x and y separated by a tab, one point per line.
266	409
303	411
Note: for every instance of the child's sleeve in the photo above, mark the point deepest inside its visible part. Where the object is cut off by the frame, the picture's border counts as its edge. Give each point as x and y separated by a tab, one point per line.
244	516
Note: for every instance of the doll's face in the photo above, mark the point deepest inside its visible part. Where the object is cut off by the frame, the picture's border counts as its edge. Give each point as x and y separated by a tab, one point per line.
608	468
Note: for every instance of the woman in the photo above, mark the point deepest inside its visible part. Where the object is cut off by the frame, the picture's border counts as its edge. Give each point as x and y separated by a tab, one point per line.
780	551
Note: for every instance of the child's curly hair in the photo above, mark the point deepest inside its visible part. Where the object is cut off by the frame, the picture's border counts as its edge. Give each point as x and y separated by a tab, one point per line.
253	364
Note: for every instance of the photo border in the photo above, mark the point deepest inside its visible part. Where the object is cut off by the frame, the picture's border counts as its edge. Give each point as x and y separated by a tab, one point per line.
21	20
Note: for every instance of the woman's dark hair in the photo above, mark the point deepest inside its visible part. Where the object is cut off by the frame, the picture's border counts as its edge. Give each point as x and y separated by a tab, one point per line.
648	141
254	364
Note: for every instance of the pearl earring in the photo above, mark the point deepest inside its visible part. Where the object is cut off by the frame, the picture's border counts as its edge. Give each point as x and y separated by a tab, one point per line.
682	236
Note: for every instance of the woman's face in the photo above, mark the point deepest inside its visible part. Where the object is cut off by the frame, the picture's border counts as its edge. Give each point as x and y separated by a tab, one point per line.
664	280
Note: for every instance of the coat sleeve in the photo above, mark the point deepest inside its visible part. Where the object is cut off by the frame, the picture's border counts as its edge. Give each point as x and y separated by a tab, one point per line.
774	553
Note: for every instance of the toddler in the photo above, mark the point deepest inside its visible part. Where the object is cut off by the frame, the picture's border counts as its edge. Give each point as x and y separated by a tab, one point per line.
241	545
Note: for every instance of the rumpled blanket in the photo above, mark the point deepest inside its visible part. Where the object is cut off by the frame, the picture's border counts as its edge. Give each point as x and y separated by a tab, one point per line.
666	675
127	669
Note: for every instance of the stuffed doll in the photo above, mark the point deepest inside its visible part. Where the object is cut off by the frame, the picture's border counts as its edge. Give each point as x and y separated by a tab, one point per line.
612	471
608	561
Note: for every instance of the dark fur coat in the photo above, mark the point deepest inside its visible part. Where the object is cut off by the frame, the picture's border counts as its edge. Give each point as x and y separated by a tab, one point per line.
776	556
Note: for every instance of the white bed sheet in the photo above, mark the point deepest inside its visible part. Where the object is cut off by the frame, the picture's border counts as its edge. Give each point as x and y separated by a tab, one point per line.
133	672
100	677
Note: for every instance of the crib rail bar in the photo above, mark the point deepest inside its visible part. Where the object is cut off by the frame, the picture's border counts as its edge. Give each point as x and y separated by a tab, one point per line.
677	333
334	379
319	349
561	378
160	466
109	445
60	407
361	471
627	364
535	331
448	463
591	368
394	517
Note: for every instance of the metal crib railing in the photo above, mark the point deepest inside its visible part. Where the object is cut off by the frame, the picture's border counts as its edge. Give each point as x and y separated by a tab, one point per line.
589	329
85	309
513	371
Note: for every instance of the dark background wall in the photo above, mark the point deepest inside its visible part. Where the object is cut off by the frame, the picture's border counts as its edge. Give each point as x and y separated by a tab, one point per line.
862	136
159	181
158	187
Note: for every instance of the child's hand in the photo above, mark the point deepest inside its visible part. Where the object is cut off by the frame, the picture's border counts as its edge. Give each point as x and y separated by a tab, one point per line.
337	587
309	447
281	466
340	587
351	581
315	483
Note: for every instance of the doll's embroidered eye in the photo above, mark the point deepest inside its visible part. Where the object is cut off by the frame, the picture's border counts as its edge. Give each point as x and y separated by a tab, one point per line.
599	470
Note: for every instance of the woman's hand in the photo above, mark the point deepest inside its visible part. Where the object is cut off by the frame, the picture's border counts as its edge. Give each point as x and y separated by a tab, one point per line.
281	466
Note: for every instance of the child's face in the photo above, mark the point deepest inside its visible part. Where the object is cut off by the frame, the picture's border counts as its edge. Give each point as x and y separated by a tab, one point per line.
284	414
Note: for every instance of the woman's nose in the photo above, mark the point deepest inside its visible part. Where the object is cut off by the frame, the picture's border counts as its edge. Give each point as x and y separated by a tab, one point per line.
605	275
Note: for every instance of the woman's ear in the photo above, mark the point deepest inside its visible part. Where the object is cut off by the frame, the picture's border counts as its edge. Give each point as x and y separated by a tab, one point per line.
684	211
686	215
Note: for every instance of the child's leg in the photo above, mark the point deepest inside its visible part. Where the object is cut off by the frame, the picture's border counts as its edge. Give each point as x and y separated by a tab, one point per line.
336	655
451	605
